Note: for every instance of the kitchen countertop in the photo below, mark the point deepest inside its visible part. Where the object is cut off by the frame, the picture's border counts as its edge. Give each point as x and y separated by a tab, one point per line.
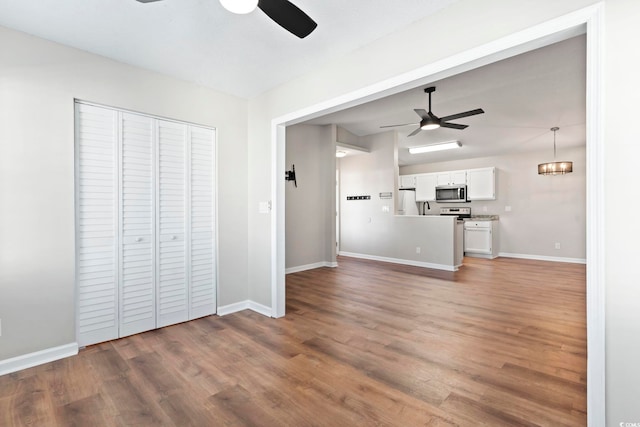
483	218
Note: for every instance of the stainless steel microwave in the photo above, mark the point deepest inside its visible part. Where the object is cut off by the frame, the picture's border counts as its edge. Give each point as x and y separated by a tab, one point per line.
451	193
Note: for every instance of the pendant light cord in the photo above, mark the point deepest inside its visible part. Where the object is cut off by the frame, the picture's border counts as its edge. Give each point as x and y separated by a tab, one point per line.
554	129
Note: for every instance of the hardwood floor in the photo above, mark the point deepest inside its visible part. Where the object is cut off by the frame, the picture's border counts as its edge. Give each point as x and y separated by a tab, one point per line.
499	343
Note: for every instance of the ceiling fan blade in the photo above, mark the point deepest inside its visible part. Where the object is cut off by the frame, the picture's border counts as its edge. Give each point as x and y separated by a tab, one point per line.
461	115
288	16
453	125
421	112
404	124
415	132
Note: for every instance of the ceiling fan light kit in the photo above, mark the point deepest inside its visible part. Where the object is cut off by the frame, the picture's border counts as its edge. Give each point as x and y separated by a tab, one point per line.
240	7
429	124
283	12
435	147
430	121
555	168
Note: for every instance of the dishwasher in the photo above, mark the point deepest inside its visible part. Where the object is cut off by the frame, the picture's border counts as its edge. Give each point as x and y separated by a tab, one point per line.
478	238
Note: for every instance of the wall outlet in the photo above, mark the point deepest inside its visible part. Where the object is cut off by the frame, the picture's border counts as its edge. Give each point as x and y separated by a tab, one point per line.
507	208
557	245
385	208
418	249
484	209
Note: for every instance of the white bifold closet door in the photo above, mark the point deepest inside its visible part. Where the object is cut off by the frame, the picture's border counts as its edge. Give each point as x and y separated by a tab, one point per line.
145	218
172	243
97	200
137	248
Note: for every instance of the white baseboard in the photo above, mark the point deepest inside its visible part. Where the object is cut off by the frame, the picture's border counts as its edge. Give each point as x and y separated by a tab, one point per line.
37	358
401	261
259	308
544	258
244	305
310	267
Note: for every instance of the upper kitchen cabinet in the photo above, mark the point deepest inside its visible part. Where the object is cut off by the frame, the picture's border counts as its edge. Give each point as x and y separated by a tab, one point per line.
407	181
426	187
452	178
481	184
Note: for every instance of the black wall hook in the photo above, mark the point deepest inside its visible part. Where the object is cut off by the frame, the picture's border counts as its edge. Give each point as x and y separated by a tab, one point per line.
291	175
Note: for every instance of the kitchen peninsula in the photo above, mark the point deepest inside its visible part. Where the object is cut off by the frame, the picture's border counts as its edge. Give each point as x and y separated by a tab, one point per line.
430	241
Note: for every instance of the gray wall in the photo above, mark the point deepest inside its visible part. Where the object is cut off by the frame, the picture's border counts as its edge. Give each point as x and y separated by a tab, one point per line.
544	209
310	219
38	83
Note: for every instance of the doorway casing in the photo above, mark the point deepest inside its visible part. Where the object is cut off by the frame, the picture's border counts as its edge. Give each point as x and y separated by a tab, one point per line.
589	20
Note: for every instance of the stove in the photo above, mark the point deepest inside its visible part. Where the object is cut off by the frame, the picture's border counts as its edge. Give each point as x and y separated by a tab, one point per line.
461	213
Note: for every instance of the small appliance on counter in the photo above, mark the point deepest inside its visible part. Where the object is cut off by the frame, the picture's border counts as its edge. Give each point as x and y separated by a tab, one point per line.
461	213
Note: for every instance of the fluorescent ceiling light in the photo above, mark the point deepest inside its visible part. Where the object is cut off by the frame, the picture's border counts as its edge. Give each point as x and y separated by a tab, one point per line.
435	147
239	6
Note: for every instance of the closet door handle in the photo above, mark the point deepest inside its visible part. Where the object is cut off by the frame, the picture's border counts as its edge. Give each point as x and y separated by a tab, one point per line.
138	239
174	237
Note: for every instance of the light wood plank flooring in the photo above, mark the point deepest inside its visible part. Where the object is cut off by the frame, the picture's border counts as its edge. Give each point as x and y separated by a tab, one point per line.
499	343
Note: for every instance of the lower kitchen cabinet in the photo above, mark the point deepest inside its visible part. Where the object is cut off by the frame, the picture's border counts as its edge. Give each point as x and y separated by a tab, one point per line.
481	238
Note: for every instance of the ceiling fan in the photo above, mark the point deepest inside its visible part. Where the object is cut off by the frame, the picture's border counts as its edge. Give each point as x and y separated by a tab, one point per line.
431	121
283	12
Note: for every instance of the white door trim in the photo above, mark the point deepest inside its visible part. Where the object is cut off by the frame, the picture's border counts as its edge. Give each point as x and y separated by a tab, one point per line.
590	19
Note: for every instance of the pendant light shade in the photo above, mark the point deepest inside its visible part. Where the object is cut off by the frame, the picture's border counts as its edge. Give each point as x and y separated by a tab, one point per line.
239	6
555	167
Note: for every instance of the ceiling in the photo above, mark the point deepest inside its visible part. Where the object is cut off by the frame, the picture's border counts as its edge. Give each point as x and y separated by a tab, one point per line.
245	55
523	97
199	41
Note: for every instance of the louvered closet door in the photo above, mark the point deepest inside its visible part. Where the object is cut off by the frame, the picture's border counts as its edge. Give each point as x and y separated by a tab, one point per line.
202	253
96	224
173	291
137	254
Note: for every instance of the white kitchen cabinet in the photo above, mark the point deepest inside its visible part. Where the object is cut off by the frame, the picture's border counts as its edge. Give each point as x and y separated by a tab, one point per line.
407	181
481	238
145	244
452	178
481	184
426	187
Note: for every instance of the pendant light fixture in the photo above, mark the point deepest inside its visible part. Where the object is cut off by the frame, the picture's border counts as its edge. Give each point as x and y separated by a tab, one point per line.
555	167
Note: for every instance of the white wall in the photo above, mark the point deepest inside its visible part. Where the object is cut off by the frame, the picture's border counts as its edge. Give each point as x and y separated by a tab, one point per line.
544	209
476	23
310	233
622	152
38	83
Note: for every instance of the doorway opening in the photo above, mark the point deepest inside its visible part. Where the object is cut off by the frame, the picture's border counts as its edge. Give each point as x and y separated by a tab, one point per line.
587	20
